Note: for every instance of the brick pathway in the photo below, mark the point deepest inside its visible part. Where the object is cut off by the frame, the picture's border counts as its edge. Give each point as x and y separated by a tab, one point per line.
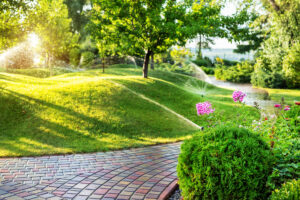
142	173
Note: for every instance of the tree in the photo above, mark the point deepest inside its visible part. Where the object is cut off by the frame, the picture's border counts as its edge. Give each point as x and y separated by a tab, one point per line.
203	43
278	63
147	27
52	25
12	13
79	14
13	4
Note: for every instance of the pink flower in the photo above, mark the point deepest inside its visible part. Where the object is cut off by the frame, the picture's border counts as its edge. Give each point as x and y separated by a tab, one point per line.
287	108
204	108
238	96
277	105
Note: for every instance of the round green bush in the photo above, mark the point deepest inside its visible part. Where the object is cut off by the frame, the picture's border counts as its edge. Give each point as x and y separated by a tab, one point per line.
224	163
288	191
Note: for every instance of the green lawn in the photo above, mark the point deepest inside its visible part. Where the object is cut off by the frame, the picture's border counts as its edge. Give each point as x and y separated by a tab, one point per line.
90	111
290	95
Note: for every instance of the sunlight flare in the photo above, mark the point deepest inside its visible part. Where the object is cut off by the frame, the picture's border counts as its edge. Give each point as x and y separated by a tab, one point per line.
33	39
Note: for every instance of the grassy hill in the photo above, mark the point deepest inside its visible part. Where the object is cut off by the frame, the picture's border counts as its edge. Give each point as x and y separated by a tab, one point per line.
90	111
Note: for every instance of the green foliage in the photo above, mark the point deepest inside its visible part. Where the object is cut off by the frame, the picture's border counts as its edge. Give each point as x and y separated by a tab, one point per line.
288	191
208	70
229	62
164	57
224	163
74	56
241	73
148	27
206	62
282	133
182	68
52	25
87	58
278	64
206	65
291	66
78	15
181	54
263	76
12	15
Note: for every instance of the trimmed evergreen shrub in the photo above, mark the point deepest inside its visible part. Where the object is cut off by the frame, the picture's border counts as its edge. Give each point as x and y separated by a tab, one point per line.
288	191
224	163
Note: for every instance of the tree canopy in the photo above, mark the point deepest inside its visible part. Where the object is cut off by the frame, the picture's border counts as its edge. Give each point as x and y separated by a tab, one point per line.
149	27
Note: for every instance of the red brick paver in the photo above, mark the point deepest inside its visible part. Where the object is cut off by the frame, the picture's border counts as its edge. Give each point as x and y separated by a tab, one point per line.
142	173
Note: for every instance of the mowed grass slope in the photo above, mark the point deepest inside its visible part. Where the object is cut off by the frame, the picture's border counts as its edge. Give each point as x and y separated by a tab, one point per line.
90	111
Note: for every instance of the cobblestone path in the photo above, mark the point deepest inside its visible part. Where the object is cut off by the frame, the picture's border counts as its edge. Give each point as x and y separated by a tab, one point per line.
142	173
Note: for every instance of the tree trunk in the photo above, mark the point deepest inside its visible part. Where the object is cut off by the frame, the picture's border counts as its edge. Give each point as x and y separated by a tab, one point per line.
103	65
199	56
152	61
146	63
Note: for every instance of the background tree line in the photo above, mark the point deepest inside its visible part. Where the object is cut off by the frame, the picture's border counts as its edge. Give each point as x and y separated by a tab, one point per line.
78	31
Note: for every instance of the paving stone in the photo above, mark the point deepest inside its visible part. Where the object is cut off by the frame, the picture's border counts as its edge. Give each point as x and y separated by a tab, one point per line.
141	173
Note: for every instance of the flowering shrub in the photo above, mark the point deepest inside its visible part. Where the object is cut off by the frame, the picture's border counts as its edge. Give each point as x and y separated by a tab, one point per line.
287	108
238	96
281	131
204	108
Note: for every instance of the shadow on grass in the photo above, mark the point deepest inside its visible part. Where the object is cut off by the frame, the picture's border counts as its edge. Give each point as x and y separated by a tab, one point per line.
26	133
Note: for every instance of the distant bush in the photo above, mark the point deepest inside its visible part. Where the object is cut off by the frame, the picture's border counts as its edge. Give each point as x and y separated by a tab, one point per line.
224	163
74	56
241	73
87	58
206	62
20	57
208	70
182	69
229	62
288	191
